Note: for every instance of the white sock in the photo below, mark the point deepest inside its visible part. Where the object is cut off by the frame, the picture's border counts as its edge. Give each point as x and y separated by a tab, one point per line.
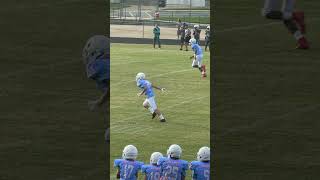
151	110
161	116
297	35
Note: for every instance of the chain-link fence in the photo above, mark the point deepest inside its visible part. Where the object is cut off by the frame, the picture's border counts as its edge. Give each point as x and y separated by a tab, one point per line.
193	11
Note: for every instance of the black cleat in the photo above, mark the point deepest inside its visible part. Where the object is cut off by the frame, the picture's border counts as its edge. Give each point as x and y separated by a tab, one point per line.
154	115
162	120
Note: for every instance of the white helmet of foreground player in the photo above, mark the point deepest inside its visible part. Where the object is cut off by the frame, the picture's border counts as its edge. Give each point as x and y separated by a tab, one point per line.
174	151
155	157
130	152
139	76
196	26
192	41
203	154
97	46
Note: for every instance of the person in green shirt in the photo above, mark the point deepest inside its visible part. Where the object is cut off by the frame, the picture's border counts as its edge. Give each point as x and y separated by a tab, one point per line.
156	33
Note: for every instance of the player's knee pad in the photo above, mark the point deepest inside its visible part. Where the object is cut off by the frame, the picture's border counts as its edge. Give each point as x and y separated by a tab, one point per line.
145	104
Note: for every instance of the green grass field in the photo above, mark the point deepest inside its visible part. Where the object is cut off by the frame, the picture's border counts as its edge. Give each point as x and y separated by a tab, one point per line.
267	95
185	105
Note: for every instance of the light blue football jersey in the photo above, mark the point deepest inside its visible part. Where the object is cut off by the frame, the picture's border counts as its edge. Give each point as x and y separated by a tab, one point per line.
172	169
128	169
196	49
99	70
201	170
152	172
142	84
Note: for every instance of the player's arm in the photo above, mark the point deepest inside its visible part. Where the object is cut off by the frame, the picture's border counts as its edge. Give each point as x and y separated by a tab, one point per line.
103	99
142	92
93	105
118	173
159	88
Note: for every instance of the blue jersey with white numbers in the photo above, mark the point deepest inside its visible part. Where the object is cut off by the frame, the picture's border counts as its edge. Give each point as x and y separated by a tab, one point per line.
152	172
145	84
197	49
128	169
200	170
99	70
172	169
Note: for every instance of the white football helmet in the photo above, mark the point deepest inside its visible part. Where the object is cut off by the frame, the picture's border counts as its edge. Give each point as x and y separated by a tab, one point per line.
97	46
196	26
140	75
203	154
192	41
130	152
155	157
174	151
208	27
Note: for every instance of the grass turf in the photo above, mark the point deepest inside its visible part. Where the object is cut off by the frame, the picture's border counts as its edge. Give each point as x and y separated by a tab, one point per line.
185	105
267	95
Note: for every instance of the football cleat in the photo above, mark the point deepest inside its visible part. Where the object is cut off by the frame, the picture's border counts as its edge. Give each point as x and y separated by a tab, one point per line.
303	43
154	115
162	120
298	17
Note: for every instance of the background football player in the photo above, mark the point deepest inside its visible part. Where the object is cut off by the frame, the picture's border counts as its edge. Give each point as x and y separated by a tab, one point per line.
147	89
152	171
201	168
96	57
128	167
197	57
293	20
172	167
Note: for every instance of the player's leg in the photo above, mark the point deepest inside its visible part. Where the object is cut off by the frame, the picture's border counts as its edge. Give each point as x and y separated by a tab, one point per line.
147	106
159	43
284	10
181	43
292	24
153	105
272	9
154	42
201	66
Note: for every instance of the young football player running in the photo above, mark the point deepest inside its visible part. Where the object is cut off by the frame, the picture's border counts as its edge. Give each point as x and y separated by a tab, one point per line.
152	171
201	168
128	167
197	57
96	57
172	167
147	89
293	20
